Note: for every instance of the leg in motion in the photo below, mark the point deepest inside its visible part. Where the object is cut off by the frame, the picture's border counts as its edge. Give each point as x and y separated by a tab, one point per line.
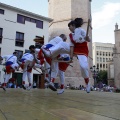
83	61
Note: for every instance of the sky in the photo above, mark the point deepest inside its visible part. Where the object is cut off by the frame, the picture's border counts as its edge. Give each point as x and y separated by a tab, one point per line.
105	14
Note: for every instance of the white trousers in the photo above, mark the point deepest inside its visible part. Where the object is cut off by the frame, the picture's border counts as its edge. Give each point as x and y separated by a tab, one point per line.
60	48
54	69
25	73
84	66
15	66
62	77
27	62
47	69
7	77
28	74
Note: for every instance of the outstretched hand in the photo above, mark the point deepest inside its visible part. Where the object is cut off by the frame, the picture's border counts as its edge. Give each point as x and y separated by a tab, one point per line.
87	39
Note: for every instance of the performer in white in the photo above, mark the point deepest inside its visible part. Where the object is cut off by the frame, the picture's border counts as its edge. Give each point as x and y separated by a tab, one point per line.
54	65
79	40
62	68
77	46
11	65
27	62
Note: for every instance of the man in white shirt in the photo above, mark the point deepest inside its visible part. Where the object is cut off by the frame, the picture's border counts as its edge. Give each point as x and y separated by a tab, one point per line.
11	65
27	60
54	64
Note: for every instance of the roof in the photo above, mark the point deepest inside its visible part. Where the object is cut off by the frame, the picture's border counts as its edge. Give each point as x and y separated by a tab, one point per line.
25	12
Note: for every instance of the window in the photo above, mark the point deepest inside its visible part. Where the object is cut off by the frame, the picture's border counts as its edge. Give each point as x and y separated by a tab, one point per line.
103	65
19	39
22	19
103	59
97	59
100	65
97	65
1	11
106	65
27	51
1	31
100	59
39	24
103	53
97	53
106	53
33	20
27	19
19	36
20	53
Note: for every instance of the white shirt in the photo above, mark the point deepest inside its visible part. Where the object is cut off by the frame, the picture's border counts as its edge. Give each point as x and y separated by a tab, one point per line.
15	66
28	56
10	58
36	52
79	35
55	40
64	55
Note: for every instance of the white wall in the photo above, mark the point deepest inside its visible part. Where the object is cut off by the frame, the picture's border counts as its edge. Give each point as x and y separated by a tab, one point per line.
10	26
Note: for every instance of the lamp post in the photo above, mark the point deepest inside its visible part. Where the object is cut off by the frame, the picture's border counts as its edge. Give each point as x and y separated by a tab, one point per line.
95	71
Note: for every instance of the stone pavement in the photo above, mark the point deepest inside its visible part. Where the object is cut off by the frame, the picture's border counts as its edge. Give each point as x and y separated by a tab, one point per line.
44	104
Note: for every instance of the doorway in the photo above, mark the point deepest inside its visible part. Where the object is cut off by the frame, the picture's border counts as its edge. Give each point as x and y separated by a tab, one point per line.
38	80
18	78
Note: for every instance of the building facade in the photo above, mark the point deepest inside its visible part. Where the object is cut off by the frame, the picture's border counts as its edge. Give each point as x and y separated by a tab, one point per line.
102	53
116	57
62	12
18	28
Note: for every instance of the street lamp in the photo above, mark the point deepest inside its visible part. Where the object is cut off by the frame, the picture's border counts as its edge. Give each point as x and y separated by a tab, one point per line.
95	71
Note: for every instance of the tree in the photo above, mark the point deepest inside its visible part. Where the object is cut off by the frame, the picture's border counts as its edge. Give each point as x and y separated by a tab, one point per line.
102	76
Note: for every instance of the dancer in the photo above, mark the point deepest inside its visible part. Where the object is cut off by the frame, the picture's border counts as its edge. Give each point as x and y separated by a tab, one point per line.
11	65
77	46
26	65
52	63
62	68
79	40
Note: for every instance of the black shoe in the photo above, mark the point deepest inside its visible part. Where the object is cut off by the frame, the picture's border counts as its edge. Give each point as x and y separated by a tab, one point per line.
52	87
4	88
23	87
47	80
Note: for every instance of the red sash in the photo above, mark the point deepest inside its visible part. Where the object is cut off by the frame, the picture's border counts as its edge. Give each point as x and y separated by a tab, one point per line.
9	69
41	57
63	66
79	48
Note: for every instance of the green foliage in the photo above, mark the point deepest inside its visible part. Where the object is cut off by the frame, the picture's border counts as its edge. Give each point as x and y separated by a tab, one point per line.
102	76
117	90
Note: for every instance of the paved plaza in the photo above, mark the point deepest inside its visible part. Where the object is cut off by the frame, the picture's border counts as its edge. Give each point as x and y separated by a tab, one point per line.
44	104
